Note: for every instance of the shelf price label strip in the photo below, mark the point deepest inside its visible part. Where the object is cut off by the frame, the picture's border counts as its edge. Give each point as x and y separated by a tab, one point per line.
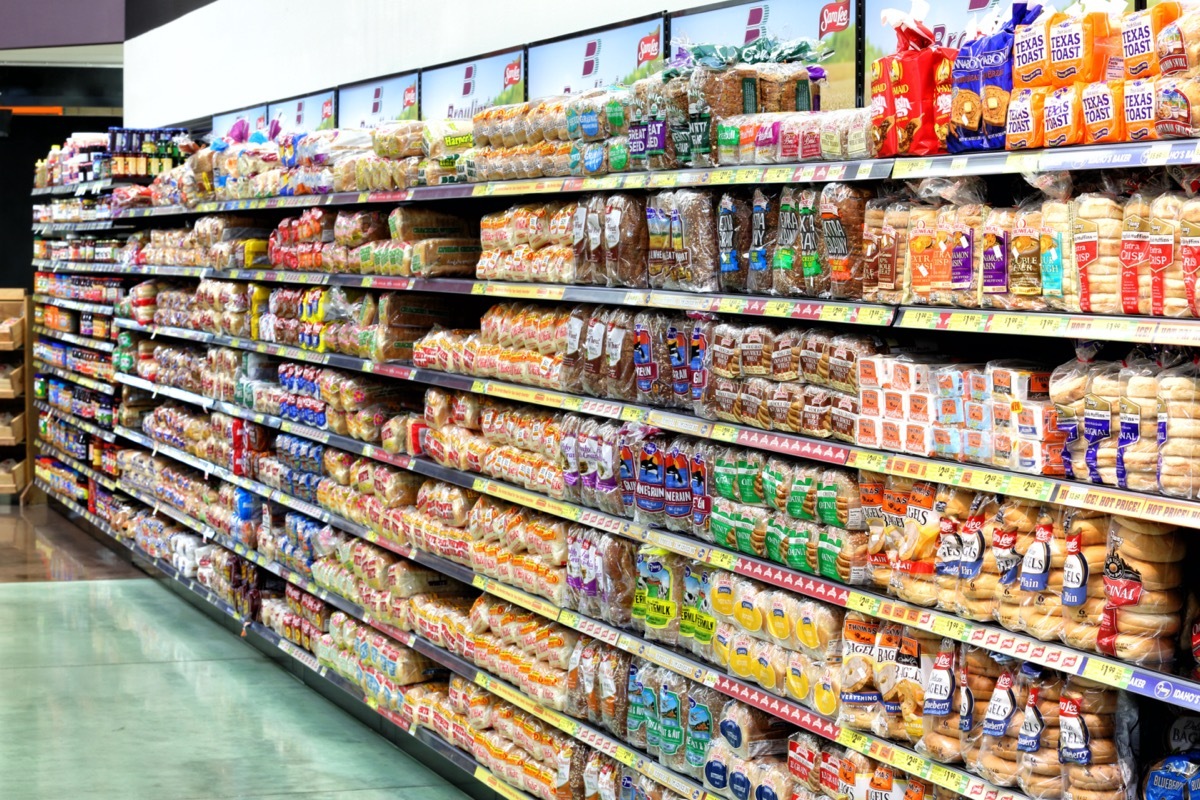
82	341
83	380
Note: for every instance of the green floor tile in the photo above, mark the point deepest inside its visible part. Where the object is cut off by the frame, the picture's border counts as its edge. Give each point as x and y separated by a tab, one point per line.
121	690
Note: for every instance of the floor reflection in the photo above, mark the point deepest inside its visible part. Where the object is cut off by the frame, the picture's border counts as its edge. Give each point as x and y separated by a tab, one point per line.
43	546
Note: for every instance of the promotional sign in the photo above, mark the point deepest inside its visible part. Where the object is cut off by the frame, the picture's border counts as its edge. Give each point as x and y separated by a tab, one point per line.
948	21
613	56
364	105
255	115
461	90
315	112
831	22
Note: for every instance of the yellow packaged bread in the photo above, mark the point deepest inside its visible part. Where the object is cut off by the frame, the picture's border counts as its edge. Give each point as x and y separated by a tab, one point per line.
1031	51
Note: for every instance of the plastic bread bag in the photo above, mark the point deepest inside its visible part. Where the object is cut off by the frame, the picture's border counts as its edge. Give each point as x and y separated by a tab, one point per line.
700	480
1084	596
1011	534
1040	579
859	696
882	531
892	261
659	256
613	678
752	732
764	233
715	770
696	264
978	576
1143	581
677	485
888	720
733	241
843	213
653	355
916	560
660	582
1068	387
590	249
925	252
1178	391
619	345
699	367
594	375
1101	423
673	720
650	466
978	673
626	241
942	735
1039	773
697	623
573	355
608	463
1168	281
1002	722
1137	440
1098	244
1096	726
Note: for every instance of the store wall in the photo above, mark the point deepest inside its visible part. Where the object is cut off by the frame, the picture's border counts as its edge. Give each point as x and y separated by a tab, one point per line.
257	52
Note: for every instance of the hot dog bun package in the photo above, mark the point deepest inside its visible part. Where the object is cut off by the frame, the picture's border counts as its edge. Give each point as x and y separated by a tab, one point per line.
911	89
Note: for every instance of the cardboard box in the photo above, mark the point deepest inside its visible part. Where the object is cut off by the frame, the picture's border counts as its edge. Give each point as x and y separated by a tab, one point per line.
12	318
13	482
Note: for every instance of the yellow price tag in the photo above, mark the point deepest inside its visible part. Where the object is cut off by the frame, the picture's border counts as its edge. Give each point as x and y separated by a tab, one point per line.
854	740
1107	672
479	582
857	601
925	320
731	305
479	484
625	756
864	172
778	175
951	627
633	414
873	315
664	179
569	618
967	322
1040	325
722	558
911	167
748	176
778	308
912	764
943	473
721	176
805	173
1022	162
958	164
835	313
724	433
636	181
1033	488
948	778
1007	323
864	459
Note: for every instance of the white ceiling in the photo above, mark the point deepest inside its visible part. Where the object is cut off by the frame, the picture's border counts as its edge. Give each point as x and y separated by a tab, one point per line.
87	55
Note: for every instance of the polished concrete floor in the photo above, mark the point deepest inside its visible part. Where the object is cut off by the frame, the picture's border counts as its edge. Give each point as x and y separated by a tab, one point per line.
111	686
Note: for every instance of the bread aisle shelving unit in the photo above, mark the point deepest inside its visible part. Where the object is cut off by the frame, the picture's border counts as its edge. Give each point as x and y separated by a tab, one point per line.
1023	485
269	639
1146	683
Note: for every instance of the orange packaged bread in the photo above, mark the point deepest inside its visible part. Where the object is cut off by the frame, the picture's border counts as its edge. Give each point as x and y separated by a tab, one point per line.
1138	102
1139	31
1103	112
1081	48
1026	119
1031	52
1064	116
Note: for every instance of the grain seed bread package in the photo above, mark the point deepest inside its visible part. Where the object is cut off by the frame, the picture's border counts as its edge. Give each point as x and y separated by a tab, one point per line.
1143	579
764	236
843	211
1094	745
733	241
695	261
626	241
1038	772
872	235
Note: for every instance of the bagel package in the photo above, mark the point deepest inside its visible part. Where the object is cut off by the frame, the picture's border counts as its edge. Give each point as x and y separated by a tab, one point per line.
941	733
1143	579
1083	597
1097	237
1039	584
978	676
1179	431
1038	772
1011	534
1094	746
1002	722
978	573
914	578
954	504
860	698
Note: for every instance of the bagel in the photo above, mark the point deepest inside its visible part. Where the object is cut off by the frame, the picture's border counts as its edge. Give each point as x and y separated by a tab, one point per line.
1040	785
1080	635
1135	622
1158	548
947	725
1145	526
1142	649
942	748
981	662
1043	761
1000	771
1004	747
1096	777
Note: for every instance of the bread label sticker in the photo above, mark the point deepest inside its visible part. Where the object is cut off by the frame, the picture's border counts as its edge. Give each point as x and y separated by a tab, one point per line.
678	493
1074	739
939	690
966	703
1122	581
1161	255
627	473
1035	565
730	258
1134	258
1075	572
671	724
886	260
922	241
758	232
1097	428
972	552
1001	707
1029	737
949	548
645	365
1130	433
697	359
716	771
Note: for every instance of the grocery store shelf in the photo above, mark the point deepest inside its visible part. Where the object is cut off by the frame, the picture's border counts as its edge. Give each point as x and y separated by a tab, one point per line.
107	481
454	755
82	341
1132	154
1144	330
78	189
78	305
1061	657
54	265
980	478
581	731
83	380
82	424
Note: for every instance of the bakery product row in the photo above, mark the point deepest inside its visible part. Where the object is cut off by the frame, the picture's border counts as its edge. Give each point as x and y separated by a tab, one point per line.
822	632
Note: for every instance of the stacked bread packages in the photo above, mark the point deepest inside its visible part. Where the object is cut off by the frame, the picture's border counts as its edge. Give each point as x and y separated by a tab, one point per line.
1093	745
1038	772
